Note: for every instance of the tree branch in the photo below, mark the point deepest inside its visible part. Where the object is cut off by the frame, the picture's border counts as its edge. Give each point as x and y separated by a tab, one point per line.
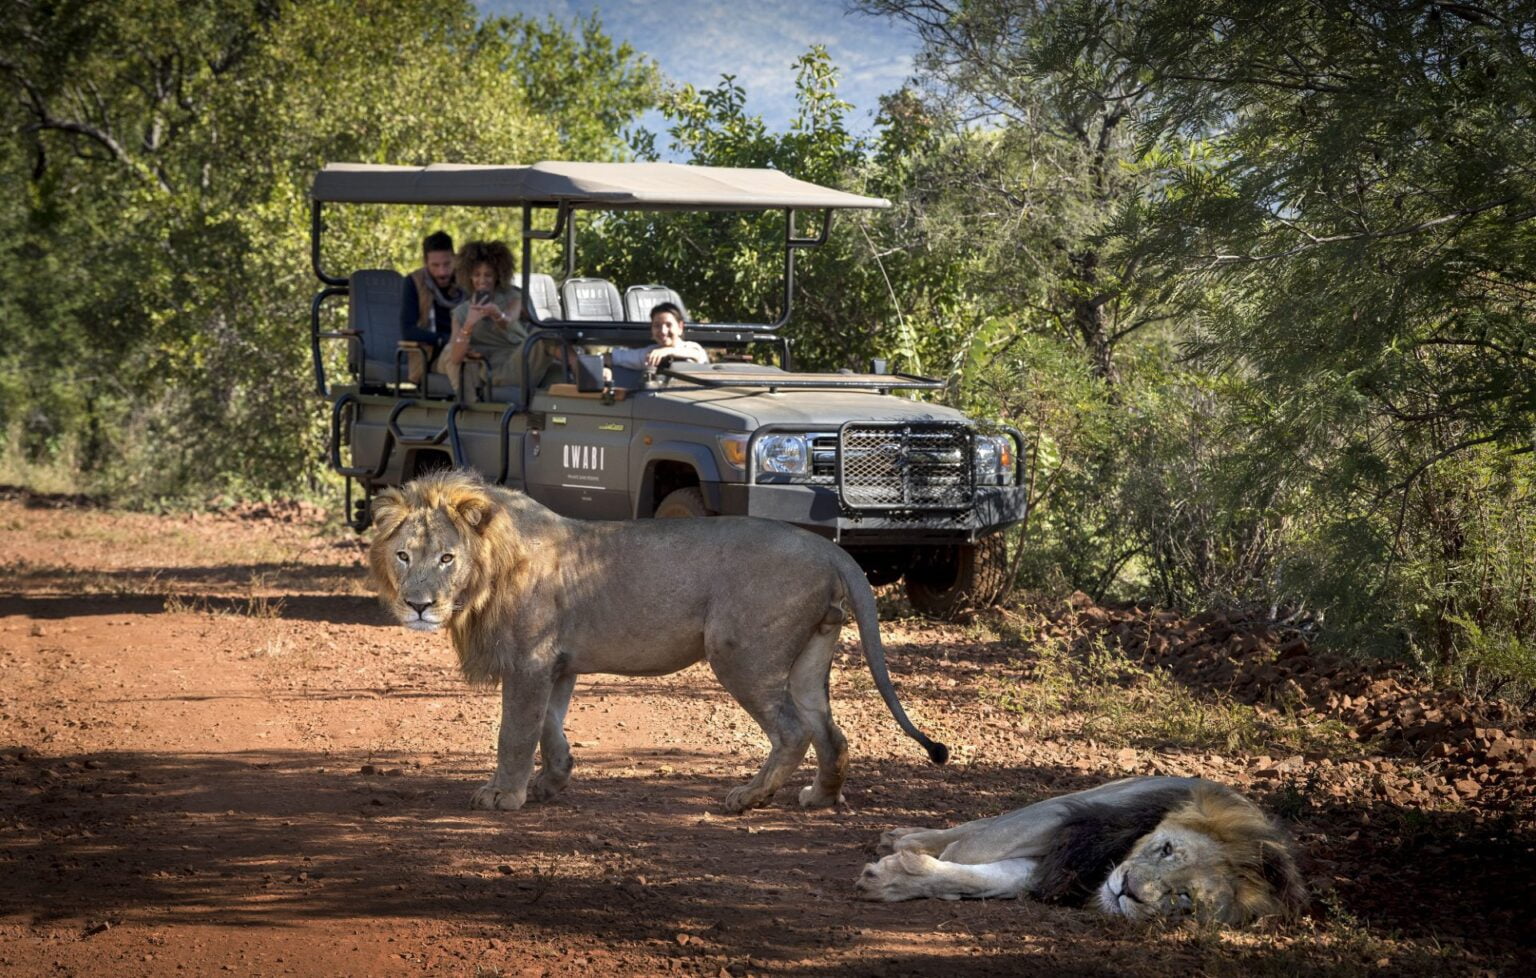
45	121
1315	242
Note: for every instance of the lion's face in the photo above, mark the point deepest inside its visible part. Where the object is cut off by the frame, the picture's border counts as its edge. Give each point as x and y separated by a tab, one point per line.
430	563
1172	873
423	556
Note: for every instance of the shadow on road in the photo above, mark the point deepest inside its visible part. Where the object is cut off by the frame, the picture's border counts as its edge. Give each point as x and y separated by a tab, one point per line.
631	849
336	609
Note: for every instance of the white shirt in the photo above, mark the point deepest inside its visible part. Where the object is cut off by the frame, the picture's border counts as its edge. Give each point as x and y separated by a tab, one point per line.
634	359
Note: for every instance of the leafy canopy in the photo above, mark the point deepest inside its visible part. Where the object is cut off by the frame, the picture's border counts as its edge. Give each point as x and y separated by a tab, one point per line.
164	151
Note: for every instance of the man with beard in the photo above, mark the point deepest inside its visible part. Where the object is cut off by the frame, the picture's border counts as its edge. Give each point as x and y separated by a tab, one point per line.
427	301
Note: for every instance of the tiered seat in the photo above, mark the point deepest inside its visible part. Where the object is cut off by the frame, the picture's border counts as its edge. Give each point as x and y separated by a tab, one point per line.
543	296
639	300
373	312
591	300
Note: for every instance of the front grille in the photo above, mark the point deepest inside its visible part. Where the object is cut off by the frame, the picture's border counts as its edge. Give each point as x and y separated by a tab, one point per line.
823	455
905	466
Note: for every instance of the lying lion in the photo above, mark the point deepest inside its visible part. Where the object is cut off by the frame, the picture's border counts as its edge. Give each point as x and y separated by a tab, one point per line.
532	600
1143	848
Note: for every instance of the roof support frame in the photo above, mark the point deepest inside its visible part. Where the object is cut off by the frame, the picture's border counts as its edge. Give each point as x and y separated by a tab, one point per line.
792	244
564	229
316	226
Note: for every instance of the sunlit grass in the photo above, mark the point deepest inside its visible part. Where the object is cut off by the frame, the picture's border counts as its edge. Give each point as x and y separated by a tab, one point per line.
1116	701
260	607
55	476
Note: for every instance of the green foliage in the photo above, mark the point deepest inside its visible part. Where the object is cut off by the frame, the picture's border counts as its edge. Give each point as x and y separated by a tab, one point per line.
164	151
1037	104
729	267
1348	186
1467	575
1076	539
590	89
1214	531
1324	212
1254	280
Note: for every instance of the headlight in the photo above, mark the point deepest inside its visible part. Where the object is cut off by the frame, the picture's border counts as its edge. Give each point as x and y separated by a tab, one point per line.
783	454
994	460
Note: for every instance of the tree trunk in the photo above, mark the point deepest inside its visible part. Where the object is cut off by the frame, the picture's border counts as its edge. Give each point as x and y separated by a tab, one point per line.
1090	316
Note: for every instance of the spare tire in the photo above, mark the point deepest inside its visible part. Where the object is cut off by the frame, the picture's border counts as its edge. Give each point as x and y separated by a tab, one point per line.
944	581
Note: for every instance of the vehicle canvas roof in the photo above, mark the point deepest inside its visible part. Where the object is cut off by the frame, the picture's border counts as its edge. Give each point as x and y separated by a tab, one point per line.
604	186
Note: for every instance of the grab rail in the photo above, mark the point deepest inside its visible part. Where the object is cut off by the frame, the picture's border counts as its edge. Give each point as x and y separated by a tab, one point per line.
355	471
393	426
506	433
315	336
455	447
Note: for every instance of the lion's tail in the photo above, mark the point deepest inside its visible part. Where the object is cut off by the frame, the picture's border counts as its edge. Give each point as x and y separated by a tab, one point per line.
862	601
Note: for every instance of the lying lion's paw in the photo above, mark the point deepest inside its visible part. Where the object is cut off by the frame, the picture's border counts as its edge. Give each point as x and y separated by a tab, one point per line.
493	796
812	798
900	876
888	840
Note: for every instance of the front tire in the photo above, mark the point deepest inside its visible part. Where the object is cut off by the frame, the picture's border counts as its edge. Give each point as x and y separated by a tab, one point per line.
945	581
686	503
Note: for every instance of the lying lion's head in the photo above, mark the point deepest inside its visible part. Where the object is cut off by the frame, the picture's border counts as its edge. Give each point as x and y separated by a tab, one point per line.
431	556
1215	858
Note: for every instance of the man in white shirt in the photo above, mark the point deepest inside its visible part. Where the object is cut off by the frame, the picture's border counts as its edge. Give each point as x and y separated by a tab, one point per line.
667	331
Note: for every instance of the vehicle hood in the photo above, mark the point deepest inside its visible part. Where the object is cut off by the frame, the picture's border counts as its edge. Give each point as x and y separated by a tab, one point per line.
746	409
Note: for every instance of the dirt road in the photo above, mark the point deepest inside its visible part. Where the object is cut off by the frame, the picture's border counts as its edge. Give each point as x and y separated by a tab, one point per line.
218	757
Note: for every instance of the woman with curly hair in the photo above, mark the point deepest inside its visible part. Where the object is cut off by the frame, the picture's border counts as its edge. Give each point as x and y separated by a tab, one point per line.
487	326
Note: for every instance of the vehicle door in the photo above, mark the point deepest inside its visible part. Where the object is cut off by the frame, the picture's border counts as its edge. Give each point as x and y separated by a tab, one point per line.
576	454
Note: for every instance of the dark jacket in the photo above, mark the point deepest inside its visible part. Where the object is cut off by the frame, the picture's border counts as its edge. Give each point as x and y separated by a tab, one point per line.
421	319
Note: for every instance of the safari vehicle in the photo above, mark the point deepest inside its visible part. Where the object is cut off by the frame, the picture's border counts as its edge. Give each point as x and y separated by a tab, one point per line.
911	489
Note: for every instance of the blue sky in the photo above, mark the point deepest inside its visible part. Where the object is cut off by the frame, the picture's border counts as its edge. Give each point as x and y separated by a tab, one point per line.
695	41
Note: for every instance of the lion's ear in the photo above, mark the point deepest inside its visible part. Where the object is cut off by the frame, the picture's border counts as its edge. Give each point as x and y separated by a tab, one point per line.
473	506
389	511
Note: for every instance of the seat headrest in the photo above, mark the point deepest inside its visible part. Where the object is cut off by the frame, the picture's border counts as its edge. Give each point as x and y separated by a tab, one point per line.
544	295
639	300
591	300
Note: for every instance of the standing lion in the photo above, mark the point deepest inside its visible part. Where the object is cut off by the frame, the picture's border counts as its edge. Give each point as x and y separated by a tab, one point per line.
533	600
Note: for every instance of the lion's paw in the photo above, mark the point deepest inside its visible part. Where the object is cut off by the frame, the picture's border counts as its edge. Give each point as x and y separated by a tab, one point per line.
740	799
899	876
889	840
812	797
879	881
494	796
543	789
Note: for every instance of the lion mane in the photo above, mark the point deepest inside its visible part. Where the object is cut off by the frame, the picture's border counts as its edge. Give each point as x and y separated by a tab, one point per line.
498	561
1256	852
